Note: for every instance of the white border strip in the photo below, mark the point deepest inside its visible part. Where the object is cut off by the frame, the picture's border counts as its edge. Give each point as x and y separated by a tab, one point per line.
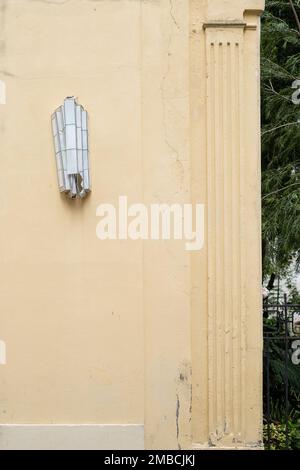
71	437
2	352
2	92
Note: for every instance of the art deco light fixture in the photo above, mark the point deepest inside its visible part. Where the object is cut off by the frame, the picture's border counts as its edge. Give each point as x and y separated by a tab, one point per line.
70	133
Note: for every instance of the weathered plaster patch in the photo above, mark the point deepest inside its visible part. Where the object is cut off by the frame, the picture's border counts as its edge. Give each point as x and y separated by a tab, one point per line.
183	403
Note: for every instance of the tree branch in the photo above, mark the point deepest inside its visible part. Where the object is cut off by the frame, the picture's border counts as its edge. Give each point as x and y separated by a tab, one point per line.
295	14
279	127
281	189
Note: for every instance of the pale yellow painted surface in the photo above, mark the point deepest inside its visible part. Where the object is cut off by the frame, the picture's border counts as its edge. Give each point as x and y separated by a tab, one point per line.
124	332
72	307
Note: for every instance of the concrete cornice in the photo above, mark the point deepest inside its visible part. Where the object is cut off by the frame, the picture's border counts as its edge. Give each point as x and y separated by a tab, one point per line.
232	10
228	24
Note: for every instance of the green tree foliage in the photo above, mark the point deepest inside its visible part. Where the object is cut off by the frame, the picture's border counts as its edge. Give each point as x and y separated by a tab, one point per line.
280	67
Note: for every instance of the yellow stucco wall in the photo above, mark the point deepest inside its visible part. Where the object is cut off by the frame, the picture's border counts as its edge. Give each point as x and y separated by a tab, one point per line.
120	331
71	305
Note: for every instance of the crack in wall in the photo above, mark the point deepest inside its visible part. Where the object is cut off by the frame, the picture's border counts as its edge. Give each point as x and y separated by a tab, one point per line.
178	163
172	14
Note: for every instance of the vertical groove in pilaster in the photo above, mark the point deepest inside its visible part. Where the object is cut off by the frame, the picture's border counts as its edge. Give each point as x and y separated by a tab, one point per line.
219	158
236	289
242	253
212	370
226	277
227	235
